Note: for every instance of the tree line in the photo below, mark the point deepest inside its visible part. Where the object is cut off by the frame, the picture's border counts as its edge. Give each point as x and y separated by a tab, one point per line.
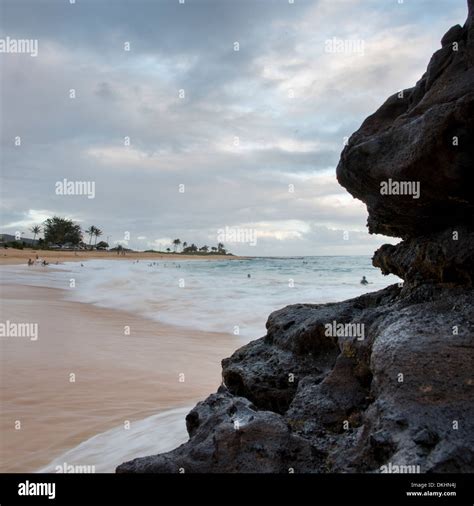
61	231
192	248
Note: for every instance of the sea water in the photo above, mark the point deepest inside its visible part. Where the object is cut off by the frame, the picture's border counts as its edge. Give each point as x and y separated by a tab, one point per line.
229	296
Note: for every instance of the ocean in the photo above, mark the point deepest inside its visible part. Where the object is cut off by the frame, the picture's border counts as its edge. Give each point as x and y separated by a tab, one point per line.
234	296
231	297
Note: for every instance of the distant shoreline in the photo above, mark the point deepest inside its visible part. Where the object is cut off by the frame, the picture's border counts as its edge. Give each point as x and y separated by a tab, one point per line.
13	256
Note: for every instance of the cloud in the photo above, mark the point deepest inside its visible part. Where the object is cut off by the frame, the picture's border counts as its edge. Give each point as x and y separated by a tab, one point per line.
217	137
28	219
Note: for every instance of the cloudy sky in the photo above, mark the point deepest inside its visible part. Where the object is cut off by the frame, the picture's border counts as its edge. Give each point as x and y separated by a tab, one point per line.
252	135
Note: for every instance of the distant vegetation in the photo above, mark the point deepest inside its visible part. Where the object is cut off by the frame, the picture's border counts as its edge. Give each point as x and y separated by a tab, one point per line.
93	231
59	233
192	249
63	233
36	229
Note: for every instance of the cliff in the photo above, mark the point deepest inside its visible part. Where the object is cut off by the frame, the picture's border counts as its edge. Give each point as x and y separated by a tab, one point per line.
401	394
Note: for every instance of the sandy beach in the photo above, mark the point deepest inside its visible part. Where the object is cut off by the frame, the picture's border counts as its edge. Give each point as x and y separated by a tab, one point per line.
117	377
10	256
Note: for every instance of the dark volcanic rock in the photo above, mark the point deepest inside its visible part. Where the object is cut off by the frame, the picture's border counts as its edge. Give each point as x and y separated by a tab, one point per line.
402	394
224	431
385	379
442	257
424	135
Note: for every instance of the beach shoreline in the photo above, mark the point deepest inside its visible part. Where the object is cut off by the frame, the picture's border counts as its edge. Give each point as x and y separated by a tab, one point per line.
128	332
84	375
12	256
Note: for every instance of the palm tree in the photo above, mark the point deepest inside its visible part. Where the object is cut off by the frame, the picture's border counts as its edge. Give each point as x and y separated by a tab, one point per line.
168	250
204	248
214	248
220	246
185	244
36	229
97	232
176	244
90	231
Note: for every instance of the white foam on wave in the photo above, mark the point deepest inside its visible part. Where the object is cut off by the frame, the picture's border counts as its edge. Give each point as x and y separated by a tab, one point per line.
213	295
216	296
155	434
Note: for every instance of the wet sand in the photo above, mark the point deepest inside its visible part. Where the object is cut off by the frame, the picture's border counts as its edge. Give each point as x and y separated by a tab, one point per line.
117	377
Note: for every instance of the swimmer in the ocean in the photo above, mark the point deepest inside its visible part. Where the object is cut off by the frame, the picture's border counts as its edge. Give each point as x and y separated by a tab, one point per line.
364	281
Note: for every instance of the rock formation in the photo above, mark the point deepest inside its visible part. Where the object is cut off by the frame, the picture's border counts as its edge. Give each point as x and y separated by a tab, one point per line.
424	135
395	387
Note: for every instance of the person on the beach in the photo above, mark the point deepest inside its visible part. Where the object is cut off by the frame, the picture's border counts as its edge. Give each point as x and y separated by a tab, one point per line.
364	281
30	262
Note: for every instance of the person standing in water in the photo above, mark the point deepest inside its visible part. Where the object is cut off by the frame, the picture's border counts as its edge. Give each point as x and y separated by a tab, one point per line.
364	281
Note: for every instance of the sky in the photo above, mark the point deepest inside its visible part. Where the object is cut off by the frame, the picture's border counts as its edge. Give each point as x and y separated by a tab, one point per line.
202	120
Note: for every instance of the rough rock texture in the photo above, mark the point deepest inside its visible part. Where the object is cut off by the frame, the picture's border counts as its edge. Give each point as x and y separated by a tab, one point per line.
443	257
386	379
343	403
412	137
